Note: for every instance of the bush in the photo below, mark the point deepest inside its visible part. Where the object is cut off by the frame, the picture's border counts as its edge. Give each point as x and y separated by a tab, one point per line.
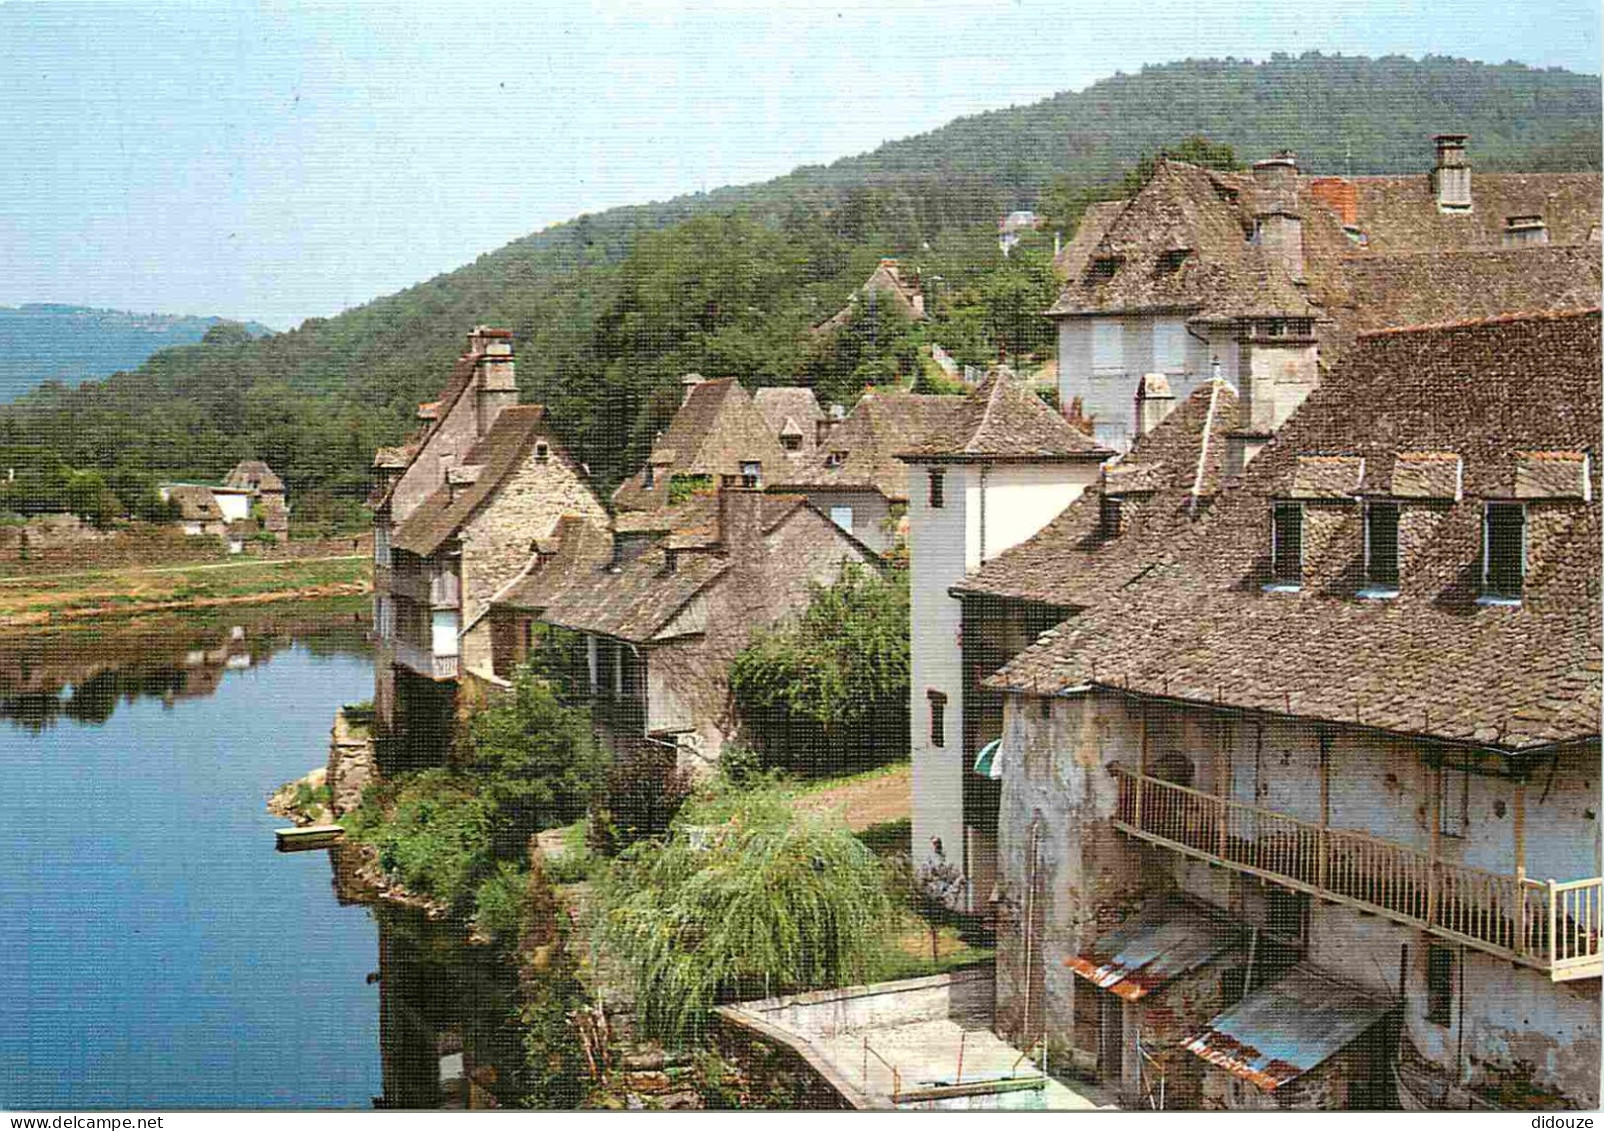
773	900
431	830
500	901
642	791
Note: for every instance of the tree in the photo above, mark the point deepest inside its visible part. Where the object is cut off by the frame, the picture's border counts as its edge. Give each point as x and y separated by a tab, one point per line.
1195	150
833	687
759	898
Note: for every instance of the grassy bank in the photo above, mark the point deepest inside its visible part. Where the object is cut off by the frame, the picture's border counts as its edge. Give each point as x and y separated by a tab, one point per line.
30	602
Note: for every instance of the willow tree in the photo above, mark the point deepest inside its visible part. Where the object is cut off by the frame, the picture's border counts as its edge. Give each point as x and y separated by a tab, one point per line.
751	899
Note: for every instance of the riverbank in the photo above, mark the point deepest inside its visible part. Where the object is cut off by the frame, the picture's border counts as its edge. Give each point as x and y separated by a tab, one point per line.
30	602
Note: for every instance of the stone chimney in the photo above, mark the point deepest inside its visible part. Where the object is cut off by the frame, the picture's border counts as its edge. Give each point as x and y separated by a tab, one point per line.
1450	178
1277	223
1154	401
495	379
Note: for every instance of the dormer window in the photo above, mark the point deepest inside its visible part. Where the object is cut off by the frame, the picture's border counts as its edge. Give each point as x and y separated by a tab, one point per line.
649	479
1503	573
1381	548
1104	268
938	488
542	451
1286	545
790	441
751	473
1108	516
1170	261
835	459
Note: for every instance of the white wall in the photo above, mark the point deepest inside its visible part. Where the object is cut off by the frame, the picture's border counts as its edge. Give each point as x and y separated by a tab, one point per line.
234	506
444	634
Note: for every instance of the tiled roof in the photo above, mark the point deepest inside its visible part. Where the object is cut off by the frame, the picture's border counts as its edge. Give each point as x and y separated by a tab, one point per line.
861	453
885	280
1401	213
1197	626
1326	477
1004	420
793	405
575	550
195	504
255	474
714	431
496	454
1072	562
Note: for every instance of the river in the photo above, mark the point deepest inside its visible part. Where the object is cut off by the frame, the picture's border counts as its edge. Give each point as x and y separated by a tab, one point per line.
155	951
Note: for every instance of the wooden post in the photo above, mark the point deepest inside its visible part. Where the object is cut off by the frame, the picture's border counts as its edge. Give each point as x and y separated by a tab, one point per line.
1223	811
1520	867
1553	926
1141	763
1434	808
1323	866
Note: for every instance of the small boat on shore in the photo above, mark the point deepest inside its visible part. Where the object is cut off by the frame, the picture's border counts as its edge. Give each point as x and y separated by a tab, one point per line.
307	837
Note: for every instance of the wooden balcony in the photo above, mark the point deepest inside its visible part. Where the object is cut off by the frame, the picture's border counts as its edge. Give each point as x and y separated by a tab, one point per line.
1545	924
424	661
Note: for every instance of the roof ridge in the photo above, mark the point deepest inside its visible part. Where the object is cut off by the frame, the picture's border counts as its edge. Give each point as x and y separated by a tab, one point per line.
1492	320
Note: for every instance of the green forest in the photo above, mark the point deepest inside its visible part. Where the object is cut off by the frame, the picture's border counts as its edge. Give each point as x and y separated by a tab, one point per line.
609	309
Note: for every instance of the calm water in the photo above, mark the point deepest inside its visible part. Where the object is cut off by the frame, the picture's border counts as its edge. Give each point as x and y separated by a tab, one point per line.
155	951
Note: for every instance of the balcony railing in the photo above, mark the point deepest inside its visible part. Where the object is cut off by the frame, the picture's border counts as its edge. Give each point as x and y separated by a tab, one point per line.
424	661
1549	925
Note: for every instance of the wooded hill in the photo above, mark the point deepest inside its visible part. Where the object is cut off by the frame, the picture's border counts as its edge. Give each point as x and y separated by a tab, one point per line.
610	309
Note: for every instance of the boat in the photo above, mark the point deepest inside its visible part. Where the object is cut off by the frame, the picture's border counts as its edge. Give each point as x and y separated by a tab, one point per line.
298	839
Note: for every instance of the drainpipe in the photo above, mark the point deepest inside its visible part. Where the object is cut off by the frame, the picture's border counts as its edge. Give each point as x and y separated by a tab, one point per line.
985	470
1034	854
1203	448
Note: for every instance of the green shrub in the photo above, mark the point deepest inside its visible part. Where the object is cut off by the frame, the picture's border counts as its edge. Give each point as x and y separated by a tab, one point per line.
432	833
499	902
773	900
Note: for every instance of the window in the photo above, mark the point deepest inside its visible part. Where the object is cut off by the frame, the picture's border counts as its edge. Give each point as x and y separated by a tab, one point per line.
1108	346
1170	261
1108	516
842	517
1169	346
1381	546
938	718
790	441
835	459
542	451
1103	268
1453	801
751	473
938	488
649	477
1503	551
1286	545
1440	985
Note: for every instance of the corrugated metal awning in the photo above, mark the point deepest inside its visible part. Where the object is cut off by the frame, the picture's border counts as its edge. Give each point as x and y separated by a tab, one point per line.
1286	1029
1167	938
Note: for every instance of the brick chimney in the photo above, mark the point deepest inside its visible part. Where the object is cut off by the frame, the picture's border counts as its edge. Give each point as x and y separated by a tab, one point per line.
1450	178
495	379
1277	223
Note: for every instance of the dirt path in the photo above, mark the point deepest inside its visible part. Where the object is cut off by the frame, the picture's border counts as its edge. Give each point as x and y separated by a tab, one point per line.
875	801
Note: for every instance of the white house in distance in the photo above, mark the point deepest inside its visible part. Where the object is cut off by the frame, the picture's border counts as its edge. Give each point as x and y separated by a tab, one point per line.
1004	467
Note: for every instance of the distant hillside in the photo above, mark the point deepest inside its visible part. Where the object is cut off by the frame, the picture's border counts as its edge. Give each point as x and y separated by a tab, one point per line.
42	342
608	308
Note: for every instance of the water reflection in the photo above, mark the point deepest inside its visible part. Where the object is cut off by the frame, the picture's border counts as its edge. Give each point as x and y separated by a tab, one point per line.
445	1040
82	675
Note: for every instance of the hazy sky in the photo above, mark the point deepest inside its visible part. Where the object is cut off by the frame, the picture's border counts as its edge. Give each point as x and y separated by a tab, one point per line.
282	161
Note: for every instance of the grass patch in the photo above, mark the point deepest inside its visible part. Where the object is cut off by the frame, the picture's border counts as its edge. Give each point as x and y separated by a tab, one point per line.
889	838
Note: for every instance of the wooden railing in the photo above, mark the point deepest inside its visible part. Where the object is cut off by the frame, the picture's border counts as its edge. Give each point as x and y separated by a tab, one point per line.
1550	925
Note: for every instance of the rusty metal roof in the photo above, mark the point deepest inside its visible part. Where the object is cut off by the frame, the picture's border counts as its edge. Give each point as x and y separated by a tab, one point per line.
1288	1028
1167	938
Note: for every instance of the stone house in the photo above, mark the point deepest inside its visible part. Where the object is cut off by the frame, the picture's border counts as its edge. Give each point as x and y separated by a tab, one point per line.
198	509
659	611
855	476
1253	273
269	495
885	284
717	435
458	513
1302	812
1002	466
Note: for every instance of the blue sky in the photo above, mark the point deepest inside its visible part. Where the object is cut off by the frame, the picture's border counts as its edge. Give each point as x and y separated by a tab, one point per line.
276	161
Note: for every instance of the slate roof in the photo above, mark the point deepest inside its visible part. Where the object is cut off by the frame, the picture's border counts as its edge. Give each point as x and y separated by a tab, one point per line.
1401	213
860	454
575	550
634	600
1070	563
1198	626
791	408
885	280
491	459
1002	420
1094	223
195	504
254	474
715	430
